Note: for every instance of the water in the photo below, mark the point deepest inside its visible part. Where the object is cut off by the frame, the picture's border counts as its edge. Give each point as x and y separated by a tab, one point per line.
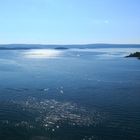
81	94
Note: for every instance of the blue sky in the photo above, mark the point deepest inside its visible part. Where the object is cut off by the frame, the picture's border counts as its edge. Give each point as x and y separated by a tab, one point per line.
69	21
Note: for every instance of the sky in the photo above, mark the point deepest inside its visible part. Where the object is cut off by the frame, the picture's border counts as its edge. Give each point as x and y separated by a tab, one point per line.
69	21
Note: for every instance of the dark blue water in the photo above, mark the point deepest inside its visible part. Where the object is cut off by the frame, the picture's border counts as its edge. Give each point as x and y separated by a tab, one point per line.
81	94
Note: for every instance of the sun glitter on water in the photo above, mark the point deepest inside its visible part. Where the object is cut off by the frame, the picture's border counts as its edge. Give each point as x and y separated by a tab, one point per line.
42	53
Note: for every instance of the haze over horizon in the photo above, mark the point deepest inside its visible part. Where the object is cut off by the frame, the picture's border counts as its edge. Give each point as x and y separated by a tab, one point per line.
70	22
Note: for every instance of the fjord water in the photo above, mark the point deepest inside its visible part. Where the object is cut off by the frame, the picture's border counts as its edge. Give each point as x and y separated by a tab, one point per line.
73	94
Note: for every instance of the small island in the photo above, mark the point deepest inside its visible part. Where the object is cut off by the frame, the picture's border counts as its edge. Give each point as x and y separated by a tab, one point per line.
136	54
61	48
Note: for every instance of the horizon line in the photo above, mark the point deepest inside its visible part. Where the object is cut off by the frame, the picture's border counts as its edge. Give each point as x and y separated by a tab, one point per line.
53	44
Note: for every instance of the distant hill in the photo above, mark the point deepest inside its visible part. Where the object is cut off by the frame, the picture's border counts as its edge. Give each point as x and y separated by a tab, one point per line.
83	46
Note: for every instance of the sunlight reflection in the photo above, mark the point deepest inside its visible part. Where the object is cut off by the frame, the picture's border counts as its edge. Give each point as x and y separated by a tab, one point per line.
42	53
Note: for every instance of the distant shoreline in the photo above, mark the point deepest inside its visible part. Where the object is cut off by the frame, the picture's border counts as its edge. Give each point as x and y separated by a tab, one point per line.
62	47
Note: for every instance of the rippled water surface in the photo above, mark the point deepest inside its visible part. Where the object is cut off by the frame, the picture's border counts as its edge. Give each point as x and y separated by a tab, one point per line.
73	94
